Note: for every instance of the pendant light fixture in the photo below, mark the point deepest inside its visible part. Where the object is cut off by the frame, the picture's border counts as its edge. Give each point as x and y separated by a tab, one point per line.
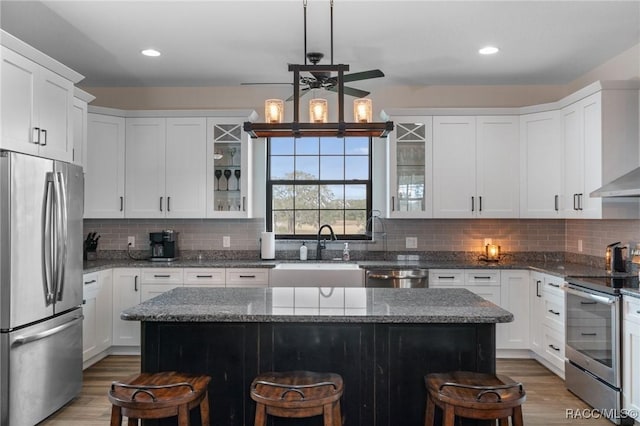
323	77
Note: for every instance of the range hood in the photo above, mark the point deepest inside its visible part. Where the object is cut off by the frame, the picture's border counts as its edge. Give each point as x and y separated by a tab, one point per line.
627	185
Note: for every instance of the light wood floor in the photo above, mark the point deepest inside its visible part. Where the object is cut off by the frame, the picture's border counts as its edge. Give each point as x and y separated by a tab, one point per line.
546	405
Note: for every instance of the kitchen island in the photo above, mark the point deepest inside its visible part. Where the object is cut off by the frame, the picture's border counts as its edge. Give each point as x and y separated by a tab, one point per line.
382	341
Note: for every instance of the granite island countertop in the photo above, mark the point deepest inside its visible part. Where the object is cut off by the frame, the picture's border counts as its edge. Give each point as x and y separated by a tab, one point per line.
318	305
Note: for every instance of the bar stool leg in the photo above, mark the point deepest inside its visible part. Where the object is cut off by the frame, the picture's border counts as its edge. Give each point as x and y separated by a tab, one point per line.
327	415
261	415
204	410
517	416
132	422
430	412
337	415
116	416
183	415
504	421
449	415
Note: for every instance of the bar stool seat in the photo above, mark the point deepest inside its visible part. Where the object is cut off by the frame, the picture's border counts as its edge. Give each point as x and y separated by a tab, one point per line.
159	395
474	395
297	394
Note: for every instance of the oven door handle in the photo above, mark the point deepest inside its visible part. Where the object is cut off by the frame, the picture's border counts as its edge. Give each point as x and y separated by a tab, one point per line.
609	300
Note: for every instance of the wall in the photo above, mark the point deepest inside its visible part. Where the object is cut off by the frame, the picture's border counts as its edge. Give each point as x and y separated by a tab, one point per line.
597	234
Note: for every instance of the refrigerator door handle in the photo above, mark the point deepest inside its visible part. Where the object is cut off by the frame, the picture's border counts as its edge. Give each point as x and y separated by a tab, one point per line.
47	263
61	234
23	340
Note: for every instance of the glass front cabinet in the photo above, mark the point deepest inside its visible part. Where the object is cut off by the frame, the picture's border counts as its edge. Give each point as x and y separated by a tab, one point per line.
229	169
409	170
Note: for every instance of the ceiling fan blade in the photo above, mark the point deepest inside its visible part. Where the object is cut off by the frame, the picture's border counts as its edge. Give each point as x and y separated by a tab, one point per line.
303	92
363	75
351	91
321	75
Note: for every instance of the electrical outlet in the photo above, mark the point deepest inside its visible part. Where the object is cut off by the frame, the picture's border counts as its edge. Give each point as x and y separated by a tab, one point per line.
226	241
580	246
131	241
411	242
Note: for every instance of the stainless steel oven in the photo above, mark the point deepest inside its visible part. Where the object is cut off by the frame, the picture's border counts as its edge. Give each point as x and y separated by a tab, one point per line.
593	358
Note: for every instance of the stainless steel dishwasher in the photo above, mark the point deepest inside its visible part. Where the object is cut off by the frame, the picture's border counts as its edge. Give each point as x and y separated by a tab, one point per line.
397	278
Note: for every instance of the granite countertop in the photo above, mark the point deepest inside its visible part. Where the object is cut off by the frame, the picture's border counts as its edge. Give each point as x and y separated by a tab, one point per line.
318	305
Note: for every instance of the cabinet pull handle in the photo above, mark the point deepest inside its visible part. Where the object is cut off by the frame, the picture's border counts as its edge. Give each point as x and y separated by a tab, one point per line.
247	276
538	288
480	204
580	201
161	276
554	285
168	204
89	282
589	334
481	278
161	203
35	135
575	203
446	277
638	312
555	348
121	203
393	204
135	283
84	301
588	303
473	206
554	312
244	209
555	202
44	134
204	276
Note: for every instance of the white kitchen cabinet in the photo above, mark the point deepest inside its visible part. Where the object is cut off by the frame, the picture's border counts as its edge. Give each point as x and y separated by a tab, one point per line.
536	311
204	277
541	165
631	353
514	297
229	169
126	293
165	167
80	101
247	277
104	172
475	168
37	108
97	309
155	281
410	168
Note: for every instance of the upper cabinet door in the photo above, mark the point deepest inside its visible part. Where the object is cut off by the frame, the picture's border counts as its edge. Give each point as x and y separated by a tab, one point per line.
145	168
497	166
454	167
541	165
410	168
186	167
37	108
104	173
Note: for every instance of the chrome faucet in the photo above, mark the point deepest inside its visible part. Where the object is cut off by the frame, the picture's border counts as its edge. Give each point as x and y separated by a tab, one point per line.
322	243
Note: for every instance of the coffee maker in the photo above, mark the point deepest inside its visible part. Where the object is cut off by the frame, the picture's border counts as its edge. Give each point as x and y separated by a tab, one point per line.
164	245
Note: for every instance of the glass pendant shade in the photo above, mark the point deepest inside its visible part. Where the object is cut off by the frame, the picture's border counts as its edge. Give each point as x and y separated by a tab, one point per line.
273	110
362	110
318	110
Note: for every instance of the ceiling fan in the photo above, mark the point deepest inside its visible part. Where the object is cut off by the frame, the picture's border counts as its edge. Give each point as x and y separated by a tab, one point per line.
324	79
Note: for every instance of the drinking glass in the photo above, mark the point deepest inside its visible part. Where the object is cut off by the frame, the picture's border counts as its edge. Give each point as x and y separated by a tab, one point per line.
227	174
237	175
218	175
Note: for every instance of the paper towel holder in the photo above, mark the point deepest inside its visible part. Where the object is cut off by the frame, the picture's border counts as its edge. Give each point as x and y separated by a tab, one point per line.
267	246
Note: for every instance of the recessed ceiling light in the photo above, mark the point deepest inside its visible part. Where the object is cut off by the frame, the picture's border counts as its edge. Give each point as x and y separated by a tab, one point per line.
488	50
150	52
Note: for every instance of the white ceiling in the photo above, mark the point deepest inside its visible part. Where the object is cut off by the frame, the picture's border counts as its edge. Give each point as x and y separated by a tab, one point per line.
226	43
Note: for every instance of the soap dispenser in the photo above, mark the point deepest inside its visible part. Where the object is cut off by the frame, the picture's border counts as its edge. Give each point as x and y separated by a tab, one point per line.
303	251
345	252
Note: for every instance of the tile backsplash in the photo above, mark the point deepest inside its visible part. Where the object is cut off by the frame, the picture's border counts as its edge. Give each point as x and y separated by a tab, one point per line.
513	235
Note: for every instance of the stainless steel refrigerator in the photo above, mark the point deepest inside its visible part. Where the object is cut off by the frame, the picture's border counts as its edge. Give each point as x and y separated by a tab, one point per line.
41	207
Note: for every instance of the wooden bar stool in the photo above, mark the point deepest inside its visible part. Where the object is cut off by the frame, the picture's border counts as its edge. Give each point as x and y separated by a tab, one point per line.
474	395
297	394
159	395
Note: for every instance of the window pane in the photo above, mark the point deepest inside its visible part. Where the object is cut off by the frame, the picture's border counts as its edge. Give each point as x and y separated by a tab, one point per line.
282	197
355	196
307	168
332	196
306	221
335	218
283	222
357	146
332	146
307	197
281	168
356	168
355	221
282	146
307	146
332	168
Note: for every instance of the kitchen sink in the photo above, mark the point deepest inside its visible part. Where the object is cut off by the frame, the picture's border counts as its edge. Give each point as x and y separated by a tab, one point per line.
317	274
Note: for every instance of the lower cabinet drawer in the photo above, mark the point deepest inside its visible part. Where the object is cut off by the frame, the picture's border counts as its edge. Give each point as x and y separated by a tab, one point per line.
553	345
161	275
249	277
213	277
631	309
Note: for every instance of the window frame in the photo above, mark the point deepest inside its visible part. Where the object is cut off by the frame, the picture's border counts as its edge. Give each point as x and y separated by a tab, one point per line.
368	183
